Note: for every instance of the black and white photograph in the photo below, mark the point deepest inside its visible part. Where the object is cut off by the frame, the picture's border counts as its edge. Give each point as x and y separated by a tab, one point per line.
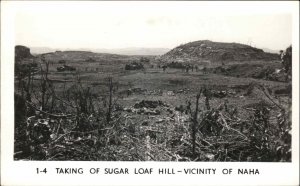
153	82
115	88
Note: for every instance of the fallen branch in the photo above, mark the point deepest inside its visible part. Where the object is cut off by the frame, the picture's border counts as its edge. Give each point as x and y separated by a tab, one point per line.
60	137
107	128
266	92
239	132
65	102
224	121
54	156
53	115
150	155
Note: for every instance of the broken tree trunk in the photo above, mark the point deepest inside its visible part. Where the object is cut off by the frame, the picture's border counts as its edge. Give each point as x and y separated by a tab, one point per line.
195	123
108	116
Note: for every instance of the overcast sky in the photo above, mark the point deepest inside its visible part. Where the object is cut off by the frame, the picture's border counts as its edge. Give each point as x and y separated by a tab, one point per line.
151	24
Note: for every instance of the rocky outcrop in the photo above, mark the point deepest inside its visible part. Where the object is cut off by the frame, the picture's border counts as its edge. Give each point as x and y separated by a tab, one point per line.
22	52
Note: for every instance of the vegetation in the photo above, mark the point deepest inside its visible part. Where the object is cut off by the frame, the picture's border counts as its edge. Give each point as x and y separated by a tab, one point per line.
107	113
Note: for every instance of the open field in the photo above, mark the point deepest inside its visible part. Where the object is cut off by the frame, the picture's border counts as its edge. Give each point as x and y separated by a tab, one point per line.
154	84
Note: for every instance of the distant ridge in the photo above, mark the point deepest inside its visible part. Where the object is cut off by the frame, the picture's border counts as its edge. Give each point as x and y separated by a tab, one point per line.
135	51
270	50
121	51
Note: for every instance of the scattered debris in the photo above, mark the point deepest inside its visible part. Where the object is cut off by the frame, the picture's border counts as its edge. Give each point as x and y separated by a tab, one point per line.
66	68
149	104
170	93
134	66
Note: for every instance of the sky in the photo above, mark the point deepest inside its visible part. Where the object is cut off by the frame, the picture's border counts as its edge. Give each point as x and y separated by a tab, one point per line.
151	24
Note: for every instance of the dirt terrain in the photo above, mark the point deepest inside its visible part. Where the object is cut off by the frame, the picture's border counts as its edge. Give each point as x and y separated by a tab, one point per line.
100	111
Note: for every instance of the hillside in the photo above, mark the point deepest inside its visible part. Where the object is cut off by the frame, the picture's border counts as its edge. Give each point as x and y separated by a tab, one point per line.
76	56
208	51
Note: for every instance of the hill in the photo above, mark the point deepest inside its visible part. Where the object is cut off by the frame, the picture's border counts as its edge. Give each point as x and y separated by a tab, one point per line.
79	56
21	53
208	51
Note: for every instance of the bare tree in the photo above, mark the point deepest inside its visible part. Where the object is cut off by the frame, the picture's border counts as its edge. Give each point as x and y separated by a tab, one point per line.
109	109
44	82
195	124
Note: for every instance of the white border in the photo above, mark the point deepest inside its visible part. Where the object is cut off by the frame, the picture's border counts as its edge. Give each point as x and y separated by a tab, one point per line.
24	173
